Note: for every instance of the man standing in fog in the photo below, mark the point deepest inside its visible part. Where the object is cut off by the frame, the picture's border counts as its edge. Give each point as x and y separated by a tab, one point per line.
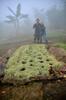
40	32
43	33
37	34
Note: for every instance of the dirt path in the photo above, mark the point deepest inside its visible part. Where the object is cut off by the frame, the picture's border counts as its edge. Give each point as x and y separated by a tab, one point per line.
59	53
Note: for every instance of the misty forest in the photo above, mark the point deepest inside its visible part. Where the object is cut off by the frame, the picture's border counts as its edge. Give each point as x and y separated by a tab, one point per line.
33	49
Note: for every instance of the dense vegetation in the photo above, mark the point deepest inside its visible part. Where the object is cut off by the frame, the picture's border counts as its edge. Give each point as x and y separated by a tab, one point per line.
30	61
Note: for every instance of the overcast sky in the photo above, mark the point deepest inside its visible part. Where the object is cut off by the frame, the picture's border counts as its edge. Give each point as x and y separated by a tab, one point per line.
27	6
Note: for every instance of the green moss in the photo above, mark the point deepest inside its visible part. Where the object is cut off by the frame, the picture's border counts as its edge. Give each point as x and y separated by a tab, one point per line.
30	61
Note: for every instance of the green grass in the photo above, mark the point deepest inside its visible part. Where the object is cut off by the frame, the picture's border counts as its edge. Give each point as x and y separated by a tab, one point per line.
57	36
28	38
61	45
30	61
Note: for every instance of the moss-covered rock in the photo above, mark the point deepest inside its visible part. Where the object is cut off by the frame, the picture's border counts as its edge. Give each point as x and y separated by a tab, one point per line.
30	61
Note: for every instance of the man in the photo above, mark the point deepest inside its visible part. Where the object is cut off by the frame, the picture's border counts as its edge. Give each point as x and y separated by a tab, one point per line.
37	27
43	33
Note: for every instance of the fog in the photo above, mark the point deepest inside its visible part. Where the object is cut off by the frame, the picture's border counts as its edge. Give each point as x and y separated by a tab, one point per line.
51	12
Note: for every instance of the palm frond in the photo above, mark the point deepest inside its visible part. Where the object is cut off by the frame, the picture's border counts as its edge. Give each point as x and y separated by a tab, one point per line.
8	21
24	16
18	11
11	11
10	17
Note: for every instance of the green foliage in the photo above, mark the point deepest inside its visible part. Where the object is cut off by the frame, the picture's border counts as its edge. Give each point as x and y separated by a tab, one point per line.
30	61
61	45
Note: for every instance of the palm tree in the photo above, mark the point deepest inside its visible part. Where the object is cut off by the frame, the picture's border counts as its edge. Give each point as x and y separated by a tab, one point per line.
16	17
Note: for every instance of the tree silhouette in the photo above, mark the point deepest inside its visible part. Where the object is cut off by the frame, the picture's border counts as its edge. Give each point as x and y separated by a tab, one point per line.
16	17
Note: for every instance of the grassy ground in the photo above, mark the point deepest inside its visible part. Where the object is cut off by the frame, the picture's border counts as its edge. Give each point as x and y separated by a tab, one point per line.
61	45
30	61
28	38
54	91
